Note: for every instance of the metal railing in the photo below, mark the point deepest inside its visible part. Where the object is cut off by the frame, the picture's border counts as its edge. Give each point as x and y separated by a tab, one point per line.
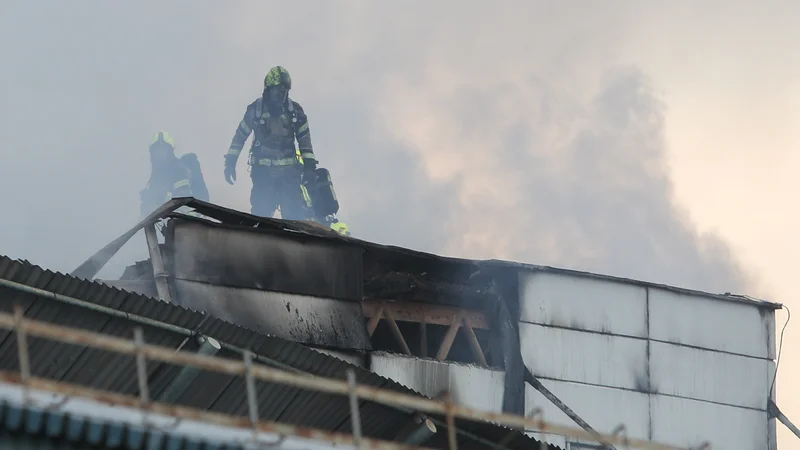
143	352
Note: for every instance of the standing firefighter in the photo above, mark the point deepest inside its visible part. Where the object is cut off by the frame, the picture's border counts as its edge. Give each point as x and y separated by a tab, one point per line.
171	176
276	169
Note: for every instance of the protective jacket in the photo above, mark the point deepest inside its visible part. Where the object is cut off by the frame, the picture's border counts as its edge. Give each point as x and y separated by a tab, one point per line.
273	135
171	178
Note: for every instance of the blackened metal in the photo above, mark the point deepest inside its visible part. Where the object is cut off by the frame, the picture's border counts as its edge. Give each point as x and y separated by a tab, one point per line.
89	268
227	256
533	381
159	273
308	320
774	411
112	311
411	287
513	381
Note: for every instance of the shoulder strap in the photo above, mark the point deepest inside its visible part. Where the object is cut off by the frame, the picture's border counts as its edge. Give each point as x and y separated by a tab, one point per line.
258	110
292	112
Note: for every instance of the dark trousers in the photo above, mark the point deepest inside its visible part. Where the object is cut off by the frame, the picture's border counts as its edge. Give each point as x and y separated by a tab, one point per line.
278	186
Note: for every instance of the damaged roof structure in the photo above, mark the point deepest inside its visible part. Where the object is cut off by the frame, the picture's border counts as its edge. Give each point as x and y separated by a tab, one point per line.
304	298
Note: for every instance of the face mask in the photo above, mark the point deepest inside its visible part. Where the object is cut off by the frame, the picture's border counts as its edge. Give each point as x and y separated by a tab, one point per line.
277	95
160	153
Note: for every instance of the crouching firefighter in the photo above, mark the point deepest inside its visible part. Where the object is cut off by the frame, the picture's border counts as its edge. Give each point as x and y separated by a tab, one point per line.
170	176
320	197
275	170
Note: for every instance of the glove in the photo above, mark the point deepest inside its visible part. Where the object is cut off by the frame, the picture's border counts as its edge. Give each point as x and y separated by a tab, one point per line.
230	168
310	165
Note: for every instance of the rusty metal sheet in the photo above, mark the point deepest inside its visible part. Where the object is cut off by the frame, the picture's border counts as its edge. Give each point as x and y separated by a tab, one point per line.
299	318
260	259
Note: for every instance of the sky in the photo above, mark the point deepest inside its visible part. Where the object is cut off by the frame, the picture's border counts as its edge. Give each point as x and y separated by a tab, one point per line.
650	141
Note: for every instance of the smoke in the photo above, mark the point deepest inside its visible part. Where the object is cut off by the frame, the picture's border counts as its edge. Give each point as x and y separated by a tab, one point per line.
514	130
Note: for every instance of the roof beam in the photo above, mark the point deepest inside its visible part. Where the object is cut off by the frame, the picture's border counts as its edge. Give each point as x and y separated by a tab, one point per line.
423	313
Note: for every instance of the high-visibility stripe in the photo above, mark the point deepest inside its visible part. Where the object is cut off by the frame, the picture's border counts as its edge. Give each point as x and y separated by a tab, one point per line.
306	197
276	162
234	151
180	184
246	128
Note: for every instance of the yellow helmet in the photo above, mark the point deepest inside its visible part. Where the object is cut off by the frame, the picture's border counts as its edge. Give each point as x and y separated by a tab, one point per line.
163	136
278	76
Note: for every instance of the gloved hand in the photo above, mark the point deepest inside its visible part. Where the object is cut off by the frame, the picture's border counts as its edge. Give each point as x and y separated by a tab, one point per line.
309	165
230	168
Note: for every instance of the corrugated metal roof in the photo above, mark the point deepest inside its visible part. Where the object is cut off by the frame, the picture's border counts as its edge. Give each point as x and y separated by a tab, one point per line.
209	391
33	418
23	427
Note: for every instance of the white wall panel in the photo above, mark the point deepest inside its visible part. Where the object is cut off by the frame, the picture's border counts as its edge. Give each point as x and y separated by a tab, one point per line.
603	408
584	357
474	387
555	439
584	303
684	423
353	358
711	323
709	375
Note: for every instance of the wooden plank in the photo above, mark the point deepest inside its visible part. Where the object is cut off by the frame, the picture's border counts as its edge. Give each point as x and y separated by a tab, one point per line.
396	332
473	342
449	338
423	313
373	321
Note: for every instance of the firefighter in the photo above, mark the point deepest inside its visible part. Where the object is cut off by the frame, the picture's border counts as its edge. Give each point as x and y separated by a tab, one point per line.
170	176
275	169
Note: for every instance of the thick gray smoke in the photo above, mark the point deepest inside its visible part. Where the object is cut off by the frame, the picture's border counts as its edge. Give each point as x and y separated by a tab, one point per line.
507	133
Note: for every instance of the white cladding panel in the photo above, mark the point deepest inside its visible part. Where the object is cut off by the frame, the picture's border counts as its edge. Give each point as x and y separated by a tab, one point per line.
584	357
555	439
352	358
603	408
711	323
684	423
474	387
584	303
708	375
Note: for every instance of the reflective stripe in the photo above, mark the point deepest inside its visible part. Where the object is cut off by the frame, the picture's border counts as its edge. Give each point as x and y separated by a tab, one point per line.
234	151
245	127
180	184
302	128
306	197
307	155
276	162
